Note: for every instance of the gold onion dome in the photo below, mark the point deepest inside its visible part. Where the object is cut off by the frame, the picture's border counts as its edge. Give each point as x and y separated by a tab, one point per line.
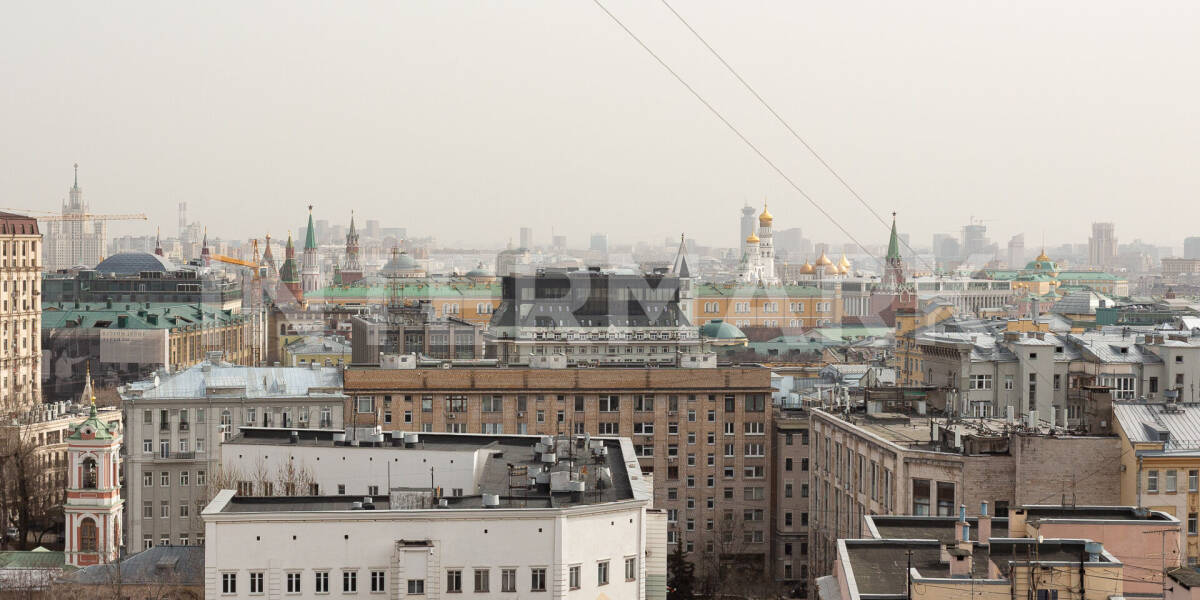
1042	257
753	239
765	218
806	268
844	264
823	261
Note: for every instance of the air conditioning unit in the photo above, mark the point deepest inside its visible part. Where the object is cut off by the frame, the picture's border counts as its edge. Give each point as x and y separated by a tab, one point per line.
450	416
672	413
520	414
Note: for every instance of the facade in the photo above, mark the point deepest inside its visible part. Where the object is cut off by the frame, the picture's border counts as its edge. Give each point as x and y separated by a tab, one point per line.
1043	277
768	306
704	435
1102	246
75	240
1160	463
327	350
177	422
895	461
468	299
568	517
414	330
591	318
790	508
119	342
141	277
20	312
1051	373
93	511
1180	267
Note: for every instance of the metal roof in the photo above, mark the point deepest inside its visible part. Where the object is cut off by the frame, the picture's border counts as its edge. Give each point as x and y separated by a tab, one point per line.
1141	421
206	379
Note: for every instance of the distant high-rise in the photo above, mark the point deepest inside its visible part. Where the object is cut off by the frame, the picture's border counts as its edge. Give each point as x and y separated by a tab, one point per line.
746	226
599	243
975	243
75	241
527	237
1191	247
1102	246
560	243
182	219
1016	251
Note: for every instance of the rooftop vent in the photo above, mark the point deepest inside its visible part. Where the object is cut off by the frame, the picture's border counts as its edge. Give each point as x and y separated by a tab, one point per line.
491	500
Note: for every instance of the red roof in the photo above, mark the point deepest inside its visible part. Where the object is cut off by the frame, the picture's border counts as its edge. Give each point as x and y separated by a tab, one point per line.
12	223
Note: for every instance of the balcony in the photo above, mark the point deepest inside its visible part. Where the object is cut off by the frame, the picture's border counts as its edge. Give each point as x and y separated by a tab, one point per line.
175	456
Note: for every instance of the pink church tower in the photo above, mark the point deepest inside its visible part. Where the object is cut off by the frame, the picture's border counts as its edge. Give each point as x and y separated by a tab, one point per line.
93	508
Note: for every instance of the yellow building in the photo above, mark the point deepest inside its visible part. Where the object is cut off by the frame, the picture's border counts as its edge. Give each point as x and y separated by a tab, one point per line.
1160	464
910	322
322	350
767	306
1043	277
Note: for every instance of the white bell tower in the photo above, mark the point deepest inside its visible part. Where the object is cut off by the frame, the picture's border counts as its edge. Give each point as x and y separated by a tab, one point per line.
93	508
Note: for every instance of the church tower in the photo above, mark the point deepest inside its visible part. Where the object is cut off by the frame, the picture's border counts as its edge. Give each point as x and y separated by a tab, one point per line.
310	271
681	269
766	247
893	268
93	508
352	268
289	276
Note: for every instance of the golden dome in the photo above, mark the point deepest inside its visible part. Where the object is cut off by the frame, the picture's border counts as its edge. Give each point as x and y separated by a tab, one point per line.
753	239
765	218
806	268
844	270
1042	257
844	264
823	261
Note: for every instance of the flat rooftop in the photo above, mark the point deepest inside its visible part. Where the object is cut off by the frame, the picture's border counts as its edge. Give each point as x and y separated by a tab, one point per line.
1093	513
509	463
930	528
879	566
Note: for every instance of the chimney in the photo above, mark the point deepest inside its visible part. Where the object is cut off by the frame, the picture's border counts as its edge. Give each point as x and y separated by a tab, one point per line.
1053	415
985	523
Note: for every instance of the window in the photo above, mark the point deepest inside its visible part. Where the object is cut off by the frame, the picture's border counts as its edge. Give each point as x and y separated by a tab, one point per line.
416	586
754	428
573	577
920	493
1047	595
483	580
608	404
349	581
1193	480
183	510
508	580
755	402
980	382
147	479
183	477
364	404
609	428
164	509
1192	524
228	583
1152	481
1171	477
602	573
321	582
293	583
164	479
454	580
537	579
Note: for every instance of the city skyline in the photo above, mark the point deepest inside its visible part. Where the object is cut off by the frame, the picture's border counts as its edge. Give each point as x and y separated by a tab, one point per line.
380	109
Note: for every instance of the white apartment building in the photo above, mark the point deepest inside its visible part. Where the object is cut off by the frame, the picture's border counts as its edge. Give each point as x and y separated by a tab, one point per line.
20	313
461	515
175	424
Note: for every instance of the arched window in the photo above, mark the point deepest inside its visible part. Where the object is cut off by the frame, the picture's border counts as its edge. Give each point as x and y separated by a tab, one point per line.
89	474
87	535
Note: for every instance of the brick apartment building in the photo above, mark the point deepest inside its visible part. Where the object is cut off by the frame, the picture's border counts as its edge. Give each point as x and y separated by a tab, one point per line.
706	436
913	464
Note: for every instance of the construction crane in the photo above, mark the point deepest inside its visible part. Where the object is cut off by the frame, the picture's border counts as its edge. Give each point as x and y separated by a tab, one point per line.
50	216
258	271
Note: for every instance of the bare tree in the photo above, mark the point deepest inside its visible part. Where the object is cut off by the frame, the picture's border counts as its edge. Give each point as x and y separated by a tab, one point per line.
223	478
730	563
292	479
30	500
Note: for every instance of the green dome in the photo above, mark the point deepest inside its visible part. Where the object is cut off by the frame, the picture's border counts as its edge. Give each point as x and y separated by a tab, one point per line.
719	329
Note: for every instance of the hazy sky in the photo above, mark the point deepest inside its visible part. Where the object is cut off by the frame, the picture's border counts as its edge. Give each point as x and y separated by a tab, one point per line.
467	120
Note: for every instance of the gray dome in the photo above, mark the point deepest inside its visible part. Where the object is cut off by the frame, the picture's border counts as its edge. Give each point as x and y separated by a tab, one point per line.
721	330
400	263
132	263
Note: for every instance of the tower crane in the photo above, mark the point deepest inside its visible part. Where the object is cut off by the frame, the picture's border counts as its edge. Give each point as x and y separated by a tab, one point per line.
51	216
